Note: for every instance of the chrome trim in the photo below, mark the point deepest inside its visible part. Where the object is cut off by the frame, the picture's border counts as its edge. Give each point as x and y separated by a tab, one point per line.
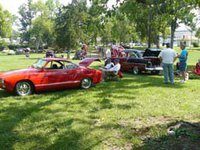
58	83
156	68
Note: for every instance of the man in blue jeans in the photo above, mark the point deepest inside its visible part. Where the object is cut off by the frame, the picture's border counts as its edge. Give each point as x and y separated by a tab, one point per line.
168	56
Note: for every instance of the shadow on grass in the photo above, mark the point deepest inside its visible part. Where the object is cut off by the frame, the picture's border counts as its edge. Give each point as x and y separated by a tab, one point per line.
184	135
135	83
4	94
14	114
72	138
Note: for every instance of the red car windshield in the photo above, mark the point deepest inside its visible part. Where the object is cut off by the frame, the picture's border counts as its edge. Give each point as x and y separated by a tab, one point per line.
39	64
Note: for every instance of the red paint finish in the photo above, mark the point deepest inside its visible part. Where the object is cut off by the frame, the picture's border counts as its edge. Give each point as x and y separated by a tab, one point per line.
51	73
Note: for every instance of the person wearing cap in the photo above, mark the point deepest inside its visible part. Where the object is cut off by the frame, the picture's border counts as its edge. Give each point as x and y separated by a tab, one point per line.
168	57
183	63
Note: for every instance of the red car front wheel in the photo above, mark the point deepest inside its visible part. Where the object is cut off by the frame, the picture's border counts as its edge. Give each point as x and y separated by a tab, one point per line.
24	88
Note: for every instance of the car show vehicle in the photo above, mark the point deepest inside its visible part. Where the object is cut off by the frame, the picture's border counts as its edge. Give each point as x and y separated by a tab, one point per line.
50	74
138	61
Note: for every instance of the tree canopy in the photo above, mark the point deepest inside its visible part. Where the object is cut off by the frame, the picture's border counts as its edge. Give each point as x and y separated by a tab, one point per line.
49	23
5	23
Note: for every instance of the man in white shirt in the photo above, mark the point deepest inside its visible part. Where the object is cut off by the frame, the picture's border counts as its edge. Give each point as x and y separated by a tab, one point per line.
109	64
116	67
168	56
113	71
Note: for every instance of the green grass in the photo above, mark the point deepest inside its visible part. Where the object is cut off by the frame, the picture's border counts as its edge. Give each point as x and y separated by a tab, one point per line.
133	113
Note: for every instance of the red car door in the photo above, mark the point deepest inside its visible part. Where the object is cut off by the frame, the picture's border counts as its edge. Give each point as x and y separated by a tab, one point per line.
53	76
71	75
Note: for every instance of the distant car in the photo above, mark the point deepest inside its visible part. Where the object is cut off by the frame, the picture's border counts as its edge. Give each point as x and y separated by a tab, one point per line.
50	53
9	52
137	61
20	51
50	73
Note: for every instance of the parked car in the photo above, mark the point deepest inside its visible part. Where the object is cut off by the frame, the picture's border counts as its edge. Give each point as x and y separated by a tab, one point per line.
50	73
137	61
50	53
9	52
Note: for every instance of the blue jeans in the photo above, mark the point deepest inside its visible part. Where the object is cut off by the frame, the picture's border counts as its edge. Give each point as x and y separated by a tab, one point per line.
168	71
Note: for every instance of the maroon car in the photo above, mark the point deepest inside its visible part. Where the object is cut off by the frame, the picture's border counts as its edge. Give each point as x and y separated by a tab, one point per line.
138	61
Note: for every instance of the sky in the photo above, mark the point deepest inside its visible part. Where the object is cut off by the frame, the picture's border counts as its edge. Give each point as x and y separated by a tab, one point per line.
13	5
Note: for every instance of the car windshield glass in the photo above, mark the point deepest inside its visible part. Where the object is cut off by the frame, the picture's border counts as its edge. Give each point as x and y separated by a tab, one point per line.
39	64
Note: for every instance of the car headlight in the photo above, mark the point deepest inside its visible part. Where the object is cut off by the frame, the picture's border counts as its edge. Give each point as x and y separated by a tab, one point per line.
2	83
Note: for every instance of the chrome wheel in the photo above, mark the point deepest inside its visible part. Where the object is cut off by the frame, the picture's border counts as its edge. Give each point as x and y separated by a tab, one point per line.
86	83
24	88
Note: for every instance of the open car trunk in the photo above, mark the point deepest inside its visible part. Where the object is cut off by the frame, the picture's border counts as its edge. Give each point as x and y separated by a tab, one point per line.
152	54
88	61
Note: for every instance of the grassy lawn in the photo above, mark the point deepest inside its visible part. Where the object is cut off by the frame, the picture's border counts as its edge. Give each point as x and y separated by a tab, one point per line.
134	113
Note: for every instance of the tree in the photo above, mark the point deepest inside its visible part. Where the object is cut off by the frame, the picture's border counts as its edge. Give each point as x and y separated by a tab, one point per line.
178	12
147	19
5	23
154	16
42	28
71	25
123	29
96	19
198	33
26	16
42	32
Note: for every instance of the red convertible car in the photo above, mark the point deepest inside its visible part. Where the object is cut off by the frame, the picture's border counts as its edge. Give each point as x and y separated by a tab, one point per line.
50	73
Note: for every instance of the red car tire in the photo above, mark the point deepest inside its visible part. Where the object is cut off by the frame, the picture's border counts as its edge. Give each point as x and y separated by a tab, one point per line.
24	88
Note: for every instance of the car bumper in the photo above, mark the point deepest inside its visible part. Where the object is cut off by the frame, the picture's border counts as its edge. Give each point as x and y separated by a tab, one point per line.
154	69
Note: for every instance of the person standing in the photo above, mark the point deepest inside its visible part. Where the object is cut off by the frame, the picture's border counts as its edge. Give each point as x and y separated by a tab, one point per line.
168	57
108	53
183	62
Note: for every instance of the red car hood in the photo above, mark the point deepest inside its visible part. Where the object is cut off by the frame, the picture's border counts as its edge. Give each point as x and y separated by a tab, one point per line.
16	72
87	61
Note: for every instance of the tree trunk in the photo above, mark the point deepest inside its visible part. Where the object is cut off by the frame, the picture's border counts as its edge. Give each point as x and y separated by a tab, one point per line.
37	44
157	41
173	28
149	28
